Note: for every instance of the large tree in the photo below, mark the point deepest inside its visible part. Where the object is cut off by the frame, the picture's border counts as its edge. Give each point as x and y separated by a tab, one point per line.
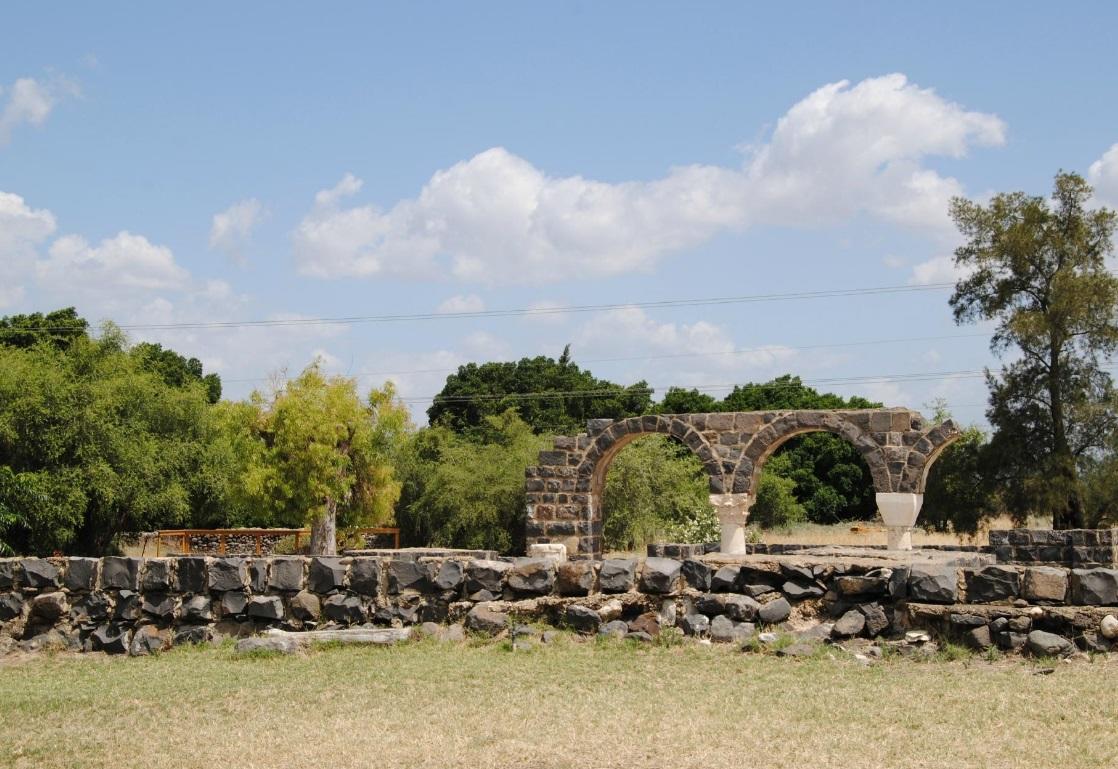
91	444
553	396
324	455
1037	268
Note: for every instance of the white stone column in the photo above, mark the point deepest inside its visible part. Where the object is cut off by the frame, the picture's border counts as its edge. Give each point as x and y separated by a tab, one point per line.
899	512
732	511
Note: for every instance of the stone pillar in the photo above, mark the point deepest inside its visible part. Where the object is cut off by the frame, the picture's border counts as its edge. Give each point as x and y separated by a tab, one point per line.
732	511
899	512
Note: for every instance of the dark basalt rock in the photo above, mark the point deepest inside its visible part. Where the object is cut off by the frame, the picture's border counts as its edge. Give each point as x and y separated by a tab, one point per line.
364	576
325	575
697	574
617	575
660	575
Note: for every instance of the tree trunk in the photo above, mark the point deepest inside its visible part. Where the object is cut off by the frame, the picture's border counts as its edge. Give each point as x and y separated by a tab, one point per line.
324	531
1068	510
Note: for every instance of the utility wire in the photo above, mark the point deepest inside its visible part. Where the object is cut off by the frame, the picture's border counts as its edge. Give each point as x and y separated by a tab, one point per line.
524	311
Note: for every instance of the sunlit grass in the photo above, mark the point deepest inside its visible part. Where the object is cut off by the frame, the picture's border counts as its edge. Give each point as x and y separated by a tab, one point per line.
428	704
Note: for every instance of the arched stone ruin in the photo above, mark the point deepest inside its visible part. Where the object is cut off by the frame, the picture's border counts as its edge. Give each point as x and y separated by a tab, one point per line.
565	489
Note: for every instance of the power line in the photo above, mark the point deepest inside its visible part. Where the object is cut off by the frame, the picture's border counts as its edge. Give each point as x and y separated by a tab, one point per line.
739	351
621	391
524	311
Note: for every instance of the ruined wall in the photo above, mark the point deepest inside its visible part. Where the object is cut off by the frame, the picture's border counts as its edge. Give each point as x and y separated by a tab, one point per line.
130	605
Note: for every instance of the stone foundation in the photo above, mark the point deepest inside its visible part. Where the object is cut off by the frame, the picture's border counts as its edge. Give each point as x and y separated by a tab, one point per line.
137	606
1077	548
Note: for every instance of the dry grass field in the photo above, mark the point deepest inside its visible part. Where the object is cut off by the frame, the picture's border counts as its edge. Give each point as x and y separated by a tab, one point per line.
590	704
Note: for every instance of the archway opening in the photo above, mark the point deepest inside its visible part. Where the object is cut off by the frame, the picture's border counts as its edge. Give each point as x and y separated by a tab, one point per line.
813	478
655	489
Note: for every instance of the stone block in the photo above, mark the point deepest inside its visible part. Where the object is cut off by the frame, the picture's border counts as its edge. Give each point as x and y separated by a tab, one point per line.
8	569
120	573
11	606
795	591
992	584
39	574
90	607
482	619
258	575
227	574
1094	587
575	577
126	605
696	574
930	584
876	619
582	619
617	575
48	608
156	575
695	624
660	575
326	574
725	580
407	575
1045	585
81	574
532	576
158	605
870	585
190	574
775	612
267	607
149	640
233	602
197	609
285	575
486	575
111	639
364	576
1046	644
306	606
450	575
849	625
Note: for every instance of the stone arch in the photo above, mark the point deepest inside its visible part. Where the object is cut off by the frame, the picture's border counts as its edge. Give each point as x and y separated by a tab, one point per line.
783	428
924	454
599	454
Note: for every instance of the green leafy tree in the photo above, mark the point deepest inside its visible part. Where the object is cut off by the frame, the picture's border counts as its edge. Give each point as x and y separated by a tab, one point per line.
324	456
58	329
468	490
91	445
553	396
776	506
656	488
1037	268
177	370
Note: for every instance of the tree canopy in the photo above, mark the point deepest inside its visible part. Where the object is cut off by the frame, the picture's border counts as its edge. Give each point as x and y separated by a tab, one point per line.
1037	268
551	396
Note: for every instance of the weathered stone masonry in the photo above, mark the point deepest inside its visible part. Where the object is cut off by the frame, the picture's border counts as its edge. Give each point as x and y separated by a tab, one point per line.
137	606
565	489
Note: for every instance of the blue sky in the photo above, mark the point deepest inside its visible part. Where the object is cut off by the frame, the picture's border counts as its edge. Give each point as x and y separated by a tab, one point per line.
236	162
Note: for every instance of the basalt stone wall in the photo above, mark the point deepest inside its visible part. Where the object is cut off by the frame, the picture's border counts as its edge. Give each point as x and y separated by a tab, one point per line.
137	606
1069	547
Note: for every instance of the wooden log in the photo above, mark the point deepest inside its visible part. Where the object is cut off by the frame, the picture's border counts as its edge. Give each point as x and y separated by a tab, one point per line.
380	636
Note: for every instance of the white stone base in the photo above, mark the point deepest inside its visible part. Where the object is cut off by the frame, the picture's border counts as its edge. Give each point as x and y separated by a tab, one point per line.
554	551
899	512
732	511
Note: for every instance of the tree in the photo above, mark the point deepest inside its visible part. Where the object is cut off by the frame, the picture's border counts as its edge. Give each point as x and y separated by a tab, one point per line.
468	490
177	370
959	493
1038	269
324	456
58	329
656	487
553	396
91	445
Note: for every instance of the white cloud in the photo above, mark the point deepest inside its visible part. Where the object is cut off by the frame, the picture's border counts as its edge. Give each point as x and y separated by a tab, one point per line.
22	230
1103	176
232	228
938	269
497	219
685	354
461	303
30	101
116	267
